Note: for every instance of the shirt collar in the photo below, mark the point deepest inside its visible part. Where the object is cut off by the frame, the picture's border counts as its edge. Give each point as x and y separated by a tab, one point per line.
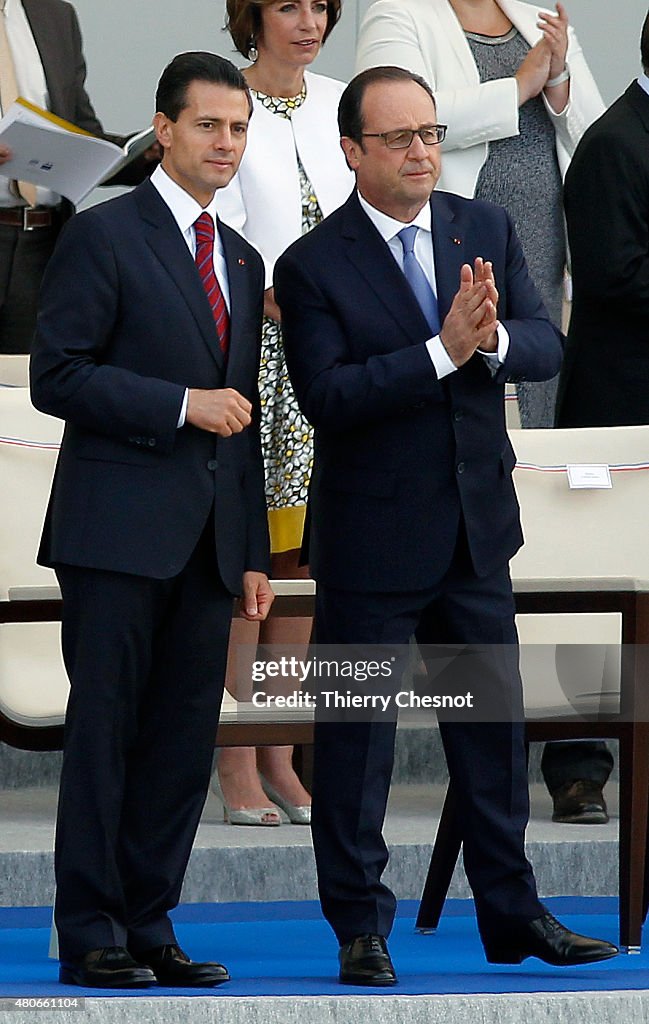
387	226
184	207
643	82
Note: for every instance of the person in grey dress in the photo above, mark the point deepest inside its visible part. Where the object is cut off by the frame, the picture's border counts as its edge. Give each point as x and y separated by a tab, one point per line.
522	173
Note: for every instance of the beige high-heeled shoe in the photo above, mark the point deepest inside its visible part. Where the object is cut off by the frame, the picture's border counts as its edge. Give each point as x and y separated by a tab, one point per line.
297	814
266	816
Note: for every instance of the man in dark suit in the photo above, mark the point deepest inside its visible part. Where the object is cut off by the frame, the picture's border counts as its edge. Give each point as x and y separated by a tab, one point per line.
414	512
45	43
148	346
604	379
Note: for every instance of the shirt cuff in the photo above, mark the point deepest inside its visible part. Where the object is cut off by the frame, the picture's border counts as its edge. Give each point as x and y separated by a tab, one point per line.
183	410
441	360
495	360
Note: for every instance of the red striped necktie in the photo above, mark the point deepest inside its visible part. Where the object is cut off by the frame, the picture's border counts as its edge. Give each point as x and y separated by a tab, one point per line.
204	228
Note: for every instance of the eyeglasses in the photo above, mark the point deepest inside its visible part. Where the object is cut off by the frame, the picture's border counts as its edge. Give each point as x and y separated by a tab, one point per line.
401	138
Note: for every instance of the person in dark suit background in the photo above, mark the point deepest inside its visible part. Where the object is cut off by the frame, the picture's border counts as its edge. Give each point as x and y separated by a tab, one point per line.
414	516
148	346
44	43
604	379
605	375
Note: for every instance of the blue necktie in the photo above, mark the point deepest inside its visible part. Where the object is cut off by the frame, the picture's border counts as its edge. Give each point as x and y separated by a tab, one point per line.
417	279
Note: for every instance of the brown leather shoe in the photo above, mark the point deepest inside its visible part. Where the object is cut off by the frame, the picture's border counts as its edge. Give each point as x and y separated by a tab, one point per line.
580	802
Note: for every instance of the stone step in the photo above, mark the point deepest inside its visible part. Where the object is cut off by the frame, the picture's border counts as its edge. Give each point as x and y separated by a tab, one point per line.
242	863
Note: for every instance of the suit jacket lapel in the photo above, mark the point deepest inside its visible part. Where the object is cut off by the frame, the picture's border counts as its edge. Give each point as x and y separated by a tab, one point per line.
237	262
638	99
448	249
164	238
372	257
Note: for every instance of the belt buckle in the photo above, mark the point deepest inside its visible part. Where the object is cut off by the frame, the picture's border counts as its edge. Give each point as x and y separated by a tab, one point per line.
26	225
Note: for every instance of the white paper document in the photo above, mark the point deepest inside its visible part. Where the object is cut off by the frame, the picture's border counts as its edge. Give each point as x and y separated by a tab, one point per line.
50	152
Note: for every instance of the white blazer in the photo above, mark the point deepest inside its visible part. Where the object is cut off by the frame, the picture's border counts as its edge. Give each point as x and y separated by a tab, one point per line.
263	201
426	37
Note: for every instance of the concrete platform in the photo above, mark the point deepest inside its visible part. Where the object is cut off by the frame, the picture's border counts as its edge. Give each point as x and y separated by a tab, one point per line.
243	863
509	1008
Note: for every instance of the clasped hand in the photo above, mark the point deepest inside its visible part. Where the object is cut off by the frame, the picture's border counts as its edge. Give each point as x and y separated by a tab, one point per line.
471	321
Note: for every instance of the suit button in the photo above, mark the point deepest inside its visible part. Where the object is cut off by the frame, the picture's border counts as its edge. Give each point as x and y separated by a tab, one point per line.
213	464
461	467
151	442
458	415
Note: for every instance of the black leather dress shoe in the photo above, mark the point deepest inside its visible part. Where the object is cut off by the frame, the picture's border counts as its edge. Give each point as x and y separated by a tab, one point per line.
111	967
547	939
173	968
580	802
366	961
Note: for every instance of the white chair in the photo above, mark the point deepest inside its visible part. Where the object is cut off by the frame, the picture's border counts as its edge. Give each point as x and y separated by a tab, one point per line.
14	371
585	555
512	411
33	684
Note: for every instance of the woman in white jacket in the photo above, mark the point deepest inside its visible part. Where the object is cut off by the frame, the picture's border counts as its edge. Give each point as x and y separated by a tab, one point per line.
293	174
514	88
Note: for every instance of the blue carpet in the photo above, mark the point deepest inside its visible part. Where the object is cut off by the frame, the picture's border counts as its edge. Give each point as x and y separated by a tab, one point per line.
286	949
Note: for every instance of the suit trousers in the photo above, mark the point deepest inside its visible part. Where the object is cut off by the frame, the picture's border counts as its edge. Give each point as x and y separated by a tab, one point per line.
146	660
486	760
23	258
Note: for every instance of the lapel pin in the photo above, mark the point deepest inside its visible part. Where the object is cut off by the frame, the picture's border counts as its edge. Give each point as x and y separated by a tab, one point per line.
241	263
457	241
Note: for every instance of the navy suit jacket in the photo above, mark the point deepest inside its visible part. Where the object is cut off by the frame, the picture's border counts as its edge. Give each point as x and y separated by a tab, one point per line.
605	377
124	327
399	454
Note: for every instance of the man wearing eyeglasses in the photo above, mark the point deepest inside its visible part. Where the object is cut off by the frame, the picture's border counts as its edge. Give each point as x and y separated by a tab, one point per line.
404	313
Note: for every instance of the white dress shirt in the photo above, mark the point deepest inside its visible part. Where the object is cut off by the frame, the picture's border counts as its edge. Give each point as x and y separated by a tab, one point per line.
186	211
643	82
30	79
389	229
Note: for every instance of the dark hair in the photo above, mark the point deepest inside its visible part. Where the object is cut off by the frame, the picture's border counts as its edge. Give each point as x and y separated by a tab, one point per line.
198	66
244	21
644	45
350	108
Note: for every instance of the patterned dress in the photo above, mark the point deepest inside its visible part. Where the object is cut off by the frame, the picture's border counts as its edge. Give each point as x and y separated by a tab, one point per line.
286	437
522	174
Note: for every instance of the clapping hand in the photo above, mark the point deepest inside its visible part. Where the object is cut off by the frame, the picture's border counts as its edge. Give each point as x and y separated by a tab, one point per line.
555	33
471	322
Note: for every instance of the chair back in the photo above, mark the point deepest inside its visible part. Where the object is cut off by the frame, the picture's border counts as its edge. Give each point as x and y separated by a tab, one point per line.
29	442
14	371
578	538
573	536
33	684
